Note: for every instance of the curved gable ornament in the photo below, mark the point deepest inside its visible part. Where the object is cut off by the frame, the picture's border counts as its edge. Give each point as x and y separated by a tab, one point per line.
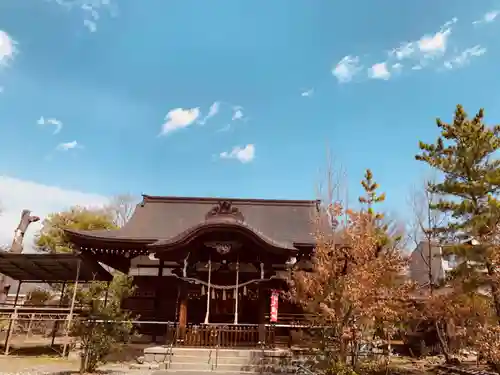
223	247
224	209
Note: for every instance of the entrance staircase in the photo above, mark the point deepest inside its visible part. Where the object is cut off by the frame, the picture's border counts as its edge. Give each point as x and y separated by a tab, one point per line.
201	360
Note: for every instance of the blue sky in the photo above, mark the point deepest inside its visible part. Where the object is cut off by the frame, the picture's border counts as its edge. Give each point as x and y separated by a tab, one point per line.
231	97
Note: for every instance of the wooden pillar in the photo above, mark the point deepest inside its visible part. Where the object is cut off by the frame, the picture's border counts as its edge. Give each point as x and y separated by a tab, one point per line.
12	321
263	301
183	301
156	303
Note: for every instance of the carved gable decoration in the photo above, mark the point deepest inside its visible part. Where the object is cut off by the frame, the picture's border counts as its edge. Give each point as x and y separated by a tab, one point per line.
224	208
223	247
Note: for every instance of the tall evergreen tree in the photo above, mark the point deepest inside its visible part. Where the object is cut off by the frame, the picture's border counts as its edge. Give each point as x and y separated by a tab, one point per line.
368	200
371	195
465	154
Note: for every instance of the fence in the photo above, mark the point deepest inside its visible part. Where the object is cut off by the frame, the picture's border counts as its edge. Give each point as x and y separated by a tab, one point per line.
31	328
27	328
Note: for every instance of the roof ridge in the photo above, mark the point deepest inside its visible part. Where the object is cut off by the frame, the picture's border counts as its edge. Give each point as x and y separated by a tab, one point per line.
213	200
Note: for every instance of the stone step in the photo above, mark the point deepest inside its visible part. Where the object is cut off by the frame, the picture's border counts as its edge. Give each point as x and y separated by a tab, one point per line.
155	358
202	367
146	366
234	368
190	359
234	360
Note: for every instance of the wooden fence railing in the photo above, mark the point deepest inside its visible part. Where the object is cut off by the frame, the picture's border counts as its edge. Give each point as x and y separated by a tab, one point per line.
219	335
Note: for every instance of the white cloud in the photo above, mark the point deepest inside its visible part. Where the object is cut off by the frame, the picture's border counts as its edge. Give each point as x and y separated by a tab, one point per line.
244	155
224	128
179	118
464	57
427	46
488	17
90	25
51	121
237	113
16	195
91	9
428	50
212	111
379	71
66	146
346	69
306	93
431	45
7	48
403	51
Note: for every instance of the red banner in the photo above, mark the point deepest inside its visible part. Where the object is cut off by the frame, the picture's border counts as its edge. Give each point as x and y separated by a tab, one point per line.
274	306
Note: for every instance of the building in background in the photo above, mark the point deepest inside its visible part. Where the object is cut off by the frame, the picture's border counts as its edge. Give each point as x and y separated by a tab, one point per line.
427	261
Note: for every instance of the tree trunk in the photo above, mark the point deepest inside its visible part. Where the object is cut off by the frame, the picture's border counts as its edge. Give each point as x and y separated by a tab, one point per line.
495	291
442	342
17	247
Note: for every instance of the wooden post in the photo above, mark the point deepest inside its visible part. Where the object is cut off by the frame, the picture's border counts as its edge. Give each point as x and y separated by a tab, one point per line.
209	290
236	292
70	317
30	324
262	314
17	293
106	293
183	301
12	322
55	328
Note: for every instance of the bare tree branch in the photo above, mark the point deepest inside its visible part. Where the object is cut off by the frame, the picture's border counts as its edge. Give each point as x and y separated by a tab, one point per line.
332	187
425	223
121	208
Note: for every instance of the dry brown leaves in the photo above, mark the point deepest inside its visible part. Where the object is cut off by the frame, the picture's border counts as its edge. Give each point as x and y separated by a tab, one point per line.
488	343
352	284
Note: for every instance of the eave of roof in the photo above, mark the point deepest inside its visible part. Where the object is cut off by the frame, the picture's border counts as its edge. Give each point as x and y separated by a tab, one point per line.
104	237
51	268
259	201
221	224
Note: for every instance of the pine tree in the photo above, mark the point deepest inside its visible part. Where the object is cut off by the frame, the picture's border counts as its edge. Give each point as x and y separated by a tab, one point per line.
370	198
465	155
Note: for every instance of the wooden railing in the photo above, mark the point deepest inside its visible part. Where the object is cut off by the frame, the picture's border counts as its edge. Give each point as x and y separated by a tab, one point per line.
219	335
223	336
237	335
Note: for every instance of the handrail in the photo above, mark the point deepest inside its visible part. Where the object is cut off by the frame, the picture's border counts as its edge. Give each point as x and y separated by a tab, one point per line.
301	367
217	350
210	358
171	349
262	355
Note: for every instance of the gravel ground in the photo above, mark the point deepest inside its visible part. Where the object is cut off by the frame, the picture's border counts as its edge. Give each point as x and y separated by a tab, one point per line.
12	365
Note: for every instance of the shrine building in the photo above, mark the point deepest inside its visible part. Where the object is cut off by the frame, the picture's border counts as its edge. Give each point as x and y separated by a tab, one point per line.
207	261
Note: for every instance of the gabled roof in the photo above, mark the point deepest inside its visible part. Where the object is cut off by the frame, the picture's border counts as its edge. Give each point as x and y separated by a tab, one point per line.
164	221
